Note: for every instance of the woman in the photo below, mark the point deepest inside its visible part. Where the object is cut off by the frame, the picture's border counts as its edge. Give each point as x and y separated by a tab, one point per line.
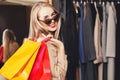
9	44
45	22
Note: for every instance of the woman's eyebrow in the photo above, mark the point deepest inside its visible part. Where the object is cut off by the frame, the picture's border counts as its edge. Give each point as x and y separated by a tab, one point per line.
53	13
46	17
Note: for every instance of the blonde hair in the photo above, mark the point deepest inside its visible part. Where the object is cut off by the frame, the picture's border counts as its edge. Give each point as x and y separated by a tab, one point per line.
8	38
35	27
8	35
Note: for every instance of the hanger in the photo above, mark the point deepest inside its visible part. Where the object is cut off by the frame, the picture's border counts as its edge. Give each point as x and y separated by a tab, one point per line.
81	1
118	2
87	1
76	5
103	3
112	3
73	1
84	3
92	1
95	4
100	2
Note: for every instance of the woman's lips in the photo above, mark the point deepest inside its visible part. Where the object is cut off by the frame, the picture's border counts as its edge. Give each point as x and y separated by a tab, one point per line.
52	25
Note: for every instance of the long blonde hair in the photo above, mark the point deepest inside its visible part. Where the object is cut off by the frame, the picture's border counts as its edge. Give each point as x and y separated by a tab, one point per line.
8	36
7	39
34	23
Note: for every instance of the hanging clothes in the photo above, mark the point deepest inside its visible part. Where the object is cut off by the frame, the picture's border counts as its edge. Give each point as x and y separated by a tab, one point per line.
111	40
69	37
97	43
81	42
88	36
81	37
89	50
104	41
104	34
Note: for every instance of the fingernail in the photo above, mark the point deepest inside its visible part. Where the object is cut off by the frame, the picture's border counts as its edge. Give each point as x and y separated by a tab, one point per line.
47	39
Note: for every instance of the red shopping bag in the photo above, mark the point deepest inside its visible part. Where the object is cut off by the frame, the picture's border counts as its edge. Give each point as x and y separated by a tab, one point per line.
1	53
41	67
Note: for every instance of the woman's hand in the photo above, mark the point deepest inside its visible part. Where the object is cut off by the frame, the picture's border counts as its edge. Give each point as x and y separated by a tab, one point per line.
57	43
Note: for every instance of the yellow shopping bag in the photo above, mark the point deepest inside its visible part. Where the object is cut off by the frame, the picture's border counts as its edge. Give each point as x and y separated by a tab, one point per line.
24	74
19	65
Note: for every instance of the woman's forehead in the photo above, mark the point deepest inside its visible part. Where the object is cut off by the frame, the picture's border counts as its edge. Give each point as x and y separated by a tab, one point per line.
45	11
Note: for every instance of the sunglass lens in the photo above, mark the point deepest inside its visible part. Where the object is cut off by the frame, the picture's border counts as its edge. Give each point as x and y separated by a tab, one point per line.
56	17
48	21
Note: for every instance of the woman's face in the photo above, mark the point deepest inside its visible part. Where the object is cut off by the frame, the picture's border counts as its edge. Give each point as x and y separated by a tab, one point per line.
48	18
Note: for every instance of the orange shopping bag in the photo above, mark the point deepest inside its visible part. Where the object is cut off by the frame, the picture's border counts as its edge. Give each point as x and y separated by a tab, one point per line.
19	65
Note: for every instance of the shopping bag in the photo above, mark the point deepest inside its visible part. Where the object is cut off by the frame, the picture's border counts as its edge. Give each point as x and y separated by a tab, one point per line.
17	66
24	74
41	67
1	53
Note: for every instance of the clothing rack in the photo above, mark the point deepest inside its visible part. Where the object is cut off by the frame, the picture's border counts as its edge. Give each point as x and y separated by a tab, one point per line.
97	1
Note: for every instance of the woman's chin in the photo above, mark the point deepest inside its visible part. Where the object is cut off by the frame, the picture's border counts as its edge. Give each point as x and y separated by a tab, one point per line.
52	29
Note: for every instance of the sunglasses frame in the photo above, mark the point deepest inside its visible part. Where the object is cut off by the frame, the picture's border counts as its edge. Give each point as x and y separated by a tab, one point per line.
49	21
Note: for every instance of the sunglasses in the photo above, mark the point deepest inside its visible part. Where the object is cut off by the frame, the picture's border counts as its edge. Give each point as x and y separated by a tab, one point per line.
49	21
